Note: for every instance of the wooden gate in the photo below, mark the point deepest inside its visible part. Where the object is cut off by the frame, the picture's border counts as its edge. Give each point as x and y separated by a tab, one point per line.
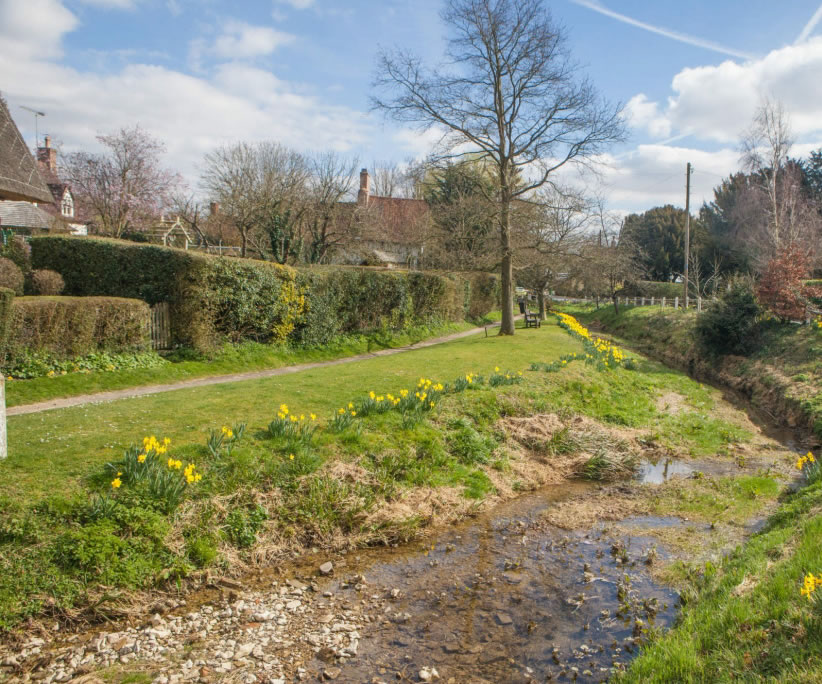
160	326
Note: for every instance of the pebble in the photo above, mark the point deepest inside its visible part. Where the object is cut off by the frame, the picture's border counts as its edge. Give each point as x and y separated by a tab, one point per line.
327	568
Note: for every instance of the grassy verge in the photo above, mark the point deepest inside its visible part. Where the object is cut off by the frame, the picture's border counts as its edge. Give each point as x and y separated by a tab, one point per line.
237	358
68	539
744	618
783	375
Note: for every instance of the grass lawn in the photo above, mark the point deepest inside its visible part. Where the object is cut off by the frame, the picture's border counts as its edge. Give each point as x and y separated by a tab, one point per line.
238	358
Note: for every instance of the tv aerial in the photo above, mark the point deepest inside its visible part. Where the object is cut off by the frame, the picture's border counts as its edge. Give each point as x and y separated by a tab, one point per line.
37	115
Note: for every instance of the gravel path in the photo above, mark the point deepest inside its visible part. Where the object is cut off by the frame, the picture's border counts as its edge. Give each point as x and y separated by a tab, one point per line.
130	392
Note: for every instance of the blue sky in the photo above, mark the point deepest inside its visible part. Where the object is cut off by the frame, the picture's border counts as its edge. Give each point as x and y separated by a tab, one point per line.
198	73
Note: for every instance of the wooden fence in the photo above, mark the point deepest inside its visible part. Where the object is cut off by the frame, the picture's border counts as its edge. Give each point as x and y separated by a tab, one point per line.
160	326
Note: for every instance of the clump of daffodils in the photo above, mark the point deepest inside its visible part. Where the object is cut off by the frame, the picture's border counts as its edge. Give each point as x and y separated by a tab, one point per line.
604	353
809	585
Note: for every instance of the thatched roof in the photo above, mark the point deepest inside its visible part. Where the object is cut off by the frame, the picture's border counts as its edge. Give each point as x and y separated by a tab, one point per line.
19	178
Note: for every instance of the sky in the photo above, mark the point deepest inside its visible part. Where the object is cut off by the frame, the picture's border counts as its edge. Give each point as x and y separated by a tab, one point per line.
200	73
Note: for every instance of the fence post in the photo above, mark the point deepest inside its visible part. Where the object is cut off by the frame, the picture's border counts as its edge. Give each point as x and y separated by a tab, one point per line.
643	302
663	302
676	302
652	301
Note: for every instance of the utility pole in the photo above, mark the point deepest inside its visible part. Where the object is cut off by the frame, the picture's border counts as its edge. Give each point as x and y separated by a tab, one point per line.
687	229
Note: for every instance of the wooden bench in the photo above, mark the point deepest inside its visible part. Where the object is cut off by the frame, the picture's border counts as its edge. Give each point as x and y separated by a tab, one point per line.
532	320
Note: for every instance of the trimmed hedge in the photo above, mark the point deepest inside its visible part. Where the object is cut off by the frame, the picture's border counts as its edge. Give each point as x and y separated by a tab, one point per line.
216	298
209	297
6	303
68	327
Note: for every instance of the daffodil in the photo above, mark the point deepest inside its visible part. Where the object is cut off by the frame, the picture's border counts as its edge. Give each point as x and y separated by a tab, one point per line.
116	483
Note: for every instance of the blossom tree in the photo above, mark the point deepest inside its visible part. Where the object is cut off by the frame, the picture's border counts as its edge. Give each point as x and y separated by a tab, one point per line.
125	188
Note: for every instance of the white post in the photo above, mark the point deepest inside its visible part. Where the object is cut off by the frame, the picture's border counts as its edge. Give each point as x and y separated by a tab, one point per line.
3	444
663	302
652	301
643	302
676	302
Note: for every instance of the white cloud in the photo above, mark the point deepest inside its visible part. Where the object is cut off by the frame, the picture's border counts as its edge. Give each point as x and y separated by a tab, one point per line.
718	102
642	113
190	114
242	41
34	27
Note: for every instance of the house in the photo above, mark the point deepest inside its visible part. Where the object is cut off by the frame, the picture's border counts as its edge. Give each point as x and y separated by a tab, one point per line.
390	230
63	207
20	179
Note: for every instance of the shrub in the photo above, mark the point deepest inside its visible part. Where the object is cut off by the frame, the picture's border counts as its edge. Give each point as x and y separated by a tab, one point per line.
730	325
16	248
69	327
47	282
483	296
781	288
11	276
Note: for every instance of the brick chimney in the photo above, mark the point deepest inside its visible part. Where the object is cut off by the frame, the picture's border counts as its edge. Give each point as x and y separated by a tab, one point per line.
214	208
47	156
365	188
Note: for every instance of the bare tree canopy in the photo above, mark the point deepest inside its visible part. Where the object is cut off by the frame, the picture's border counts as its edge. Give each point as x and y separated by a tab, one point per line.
784	212
259	188
510	93
125	188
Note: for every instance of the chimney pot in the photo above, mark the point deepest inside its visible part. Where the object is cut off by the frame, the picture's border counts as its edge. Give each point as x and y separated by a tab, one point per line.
214	208
365	187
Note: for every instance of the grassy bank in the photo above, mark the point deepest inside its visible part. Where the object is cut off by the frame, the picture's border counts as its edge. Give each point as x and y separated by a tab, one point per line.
70	537
245	357
744	618
783	375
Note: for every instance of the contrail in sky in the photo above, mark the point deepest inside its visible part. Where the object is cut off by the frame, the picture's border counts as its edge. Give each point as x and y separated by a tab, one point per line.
809	27
673	35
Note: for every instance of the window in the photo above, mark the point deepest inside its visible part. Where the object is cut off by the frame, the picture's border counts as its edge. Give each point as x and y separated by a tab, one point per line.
67	208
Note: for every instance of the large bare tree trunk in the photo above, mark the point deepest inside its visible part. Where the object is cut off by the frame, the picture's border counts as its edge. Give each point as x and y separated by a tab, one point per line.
507	324
541	303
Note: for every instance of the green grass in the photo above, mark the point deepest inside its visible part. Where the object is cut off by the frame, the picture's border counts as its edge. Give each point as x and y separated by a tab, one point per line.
237	358
58	540
746	620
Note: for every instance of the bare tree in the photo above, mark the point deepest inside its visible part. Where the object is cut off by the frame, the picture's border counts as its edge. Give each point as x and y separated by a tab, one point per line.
783	212
512	95
328	220
551	238
191	213
259	187
125	188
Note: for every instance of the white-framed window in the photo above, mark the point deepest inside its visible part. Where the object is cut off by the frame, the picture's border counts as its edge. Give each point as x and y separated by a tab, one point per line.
67	207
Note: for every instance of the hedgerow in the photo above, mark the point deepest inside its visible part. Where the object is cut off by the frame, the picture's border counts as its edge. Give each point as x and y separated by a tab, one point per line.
214	299
71	327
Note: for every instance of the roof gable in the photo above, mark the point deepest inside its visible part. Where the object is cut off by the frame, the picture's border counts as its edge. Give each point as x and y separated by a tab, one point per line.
19	177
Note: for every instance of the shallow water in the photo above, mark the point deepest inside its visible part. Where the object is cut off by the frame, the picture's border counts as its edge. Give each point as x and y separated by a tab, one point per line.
507	598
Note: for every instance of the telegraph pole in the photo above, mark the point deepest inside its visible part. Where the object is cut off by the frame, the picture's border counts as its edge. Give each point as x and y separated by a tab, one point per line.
687	229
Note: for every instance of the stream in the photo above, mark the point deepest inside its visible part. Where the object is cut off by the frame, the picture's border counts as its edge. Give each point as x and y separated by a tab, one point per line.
508	598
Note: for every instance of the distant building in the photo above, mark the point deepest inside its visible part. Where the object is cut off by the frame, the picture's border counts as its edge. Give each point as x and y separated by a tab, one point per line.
389	231
58	212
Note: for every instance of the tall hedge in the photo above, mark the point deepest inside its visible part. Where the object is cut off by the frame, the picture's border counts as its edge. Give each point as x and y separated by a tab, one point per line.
215	298
209	297
68	327
6	303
